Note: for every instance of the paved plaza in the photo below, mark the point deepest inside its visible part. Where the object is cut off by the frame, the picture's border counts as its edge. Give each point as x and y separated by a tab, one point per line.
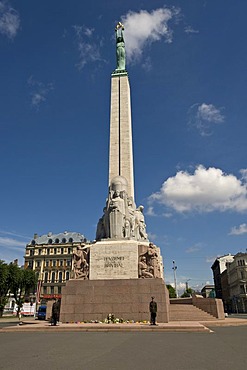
224	348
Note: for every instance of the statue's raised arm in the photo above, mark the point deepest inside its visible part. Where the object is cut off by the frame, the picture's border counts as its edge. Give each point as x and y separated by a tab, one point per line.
120	45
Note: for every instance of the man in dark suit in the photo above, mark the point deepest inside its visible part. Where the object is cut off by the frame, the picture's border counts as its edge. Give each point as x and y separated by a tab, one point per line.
153	311
55	312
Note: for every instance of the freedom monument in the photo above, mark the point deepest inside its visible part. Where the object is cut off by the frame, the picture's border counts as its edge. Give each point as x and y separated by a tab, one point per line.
122	269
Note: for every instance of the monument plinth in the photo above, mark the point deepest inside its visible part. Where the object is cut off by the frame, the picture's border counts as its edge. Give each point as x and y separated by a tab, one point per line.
120	272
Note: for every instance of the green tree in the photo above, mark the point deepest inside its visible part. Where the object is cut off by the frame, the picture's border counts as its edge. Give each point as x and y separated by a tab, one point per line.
4	285
23	282
187	293
172	291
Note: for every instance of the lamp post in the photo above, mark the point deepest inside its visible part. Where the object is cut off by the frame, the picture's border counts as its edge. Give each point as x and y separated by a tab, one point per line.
175	277
187	285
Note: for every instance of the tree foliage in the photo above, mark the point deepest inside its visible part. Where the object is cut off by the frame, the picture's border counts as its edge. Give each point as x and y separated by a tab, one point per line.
187	293
15	280
172	291
4	285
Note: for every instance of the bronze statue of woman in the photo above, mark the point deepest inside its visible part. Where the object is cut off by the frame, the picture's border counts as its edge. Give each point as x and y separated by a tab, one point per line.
120	47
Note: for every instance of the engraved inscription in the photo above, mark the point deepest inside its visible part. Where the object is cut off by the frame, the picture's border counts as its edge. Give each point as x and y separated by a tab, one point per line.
113	262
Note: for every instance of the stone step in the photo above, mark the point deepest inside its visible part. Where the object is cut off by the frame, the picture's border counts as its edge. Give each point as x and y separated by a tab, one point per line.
179	312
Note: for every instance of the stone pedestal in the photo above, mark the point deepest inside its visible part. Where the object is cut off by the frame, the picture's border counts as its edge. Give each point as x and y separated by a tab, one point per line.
85	300
114	259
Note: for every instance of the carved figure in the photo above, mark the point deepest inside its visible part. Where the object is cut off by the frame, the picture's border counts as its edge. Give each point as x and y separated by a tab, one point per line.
121	218
153	259
131	216
140	226
116	215
120	47
145	271
126	229
80	265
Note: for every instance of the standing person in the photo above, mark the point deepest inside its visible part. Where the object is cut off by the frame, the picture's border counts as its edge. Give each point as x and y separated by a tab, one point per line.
55	312
153	311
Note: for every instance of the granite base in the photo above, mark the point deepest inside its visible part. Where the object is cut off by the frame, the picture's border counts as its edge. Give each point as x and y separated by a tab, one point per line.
86	300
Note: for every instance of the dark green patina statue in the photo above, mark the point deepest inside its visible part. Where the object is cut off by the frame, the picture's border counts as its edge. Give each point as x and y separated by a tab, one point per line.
120	47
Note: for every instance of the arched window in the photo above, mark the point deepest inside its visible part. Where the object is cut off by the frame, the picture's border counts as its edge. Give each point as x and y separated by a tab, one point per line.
46	277
53	277
67	275
50	241
60	277
64	240
71	240
57	240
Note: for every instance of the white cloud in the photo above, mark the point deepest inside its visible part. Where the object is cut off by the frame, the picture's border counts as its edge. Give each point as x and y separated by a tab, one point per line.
143	28
9	20
204	116
89	48
193	248
189	29
150	211
39	91
205	190
167	214
241	229
3	232
244	174
11	243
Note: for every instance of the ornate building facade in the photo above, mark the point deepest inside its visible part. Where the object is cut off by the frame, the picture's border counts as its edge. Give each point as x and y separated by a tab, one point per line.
50	256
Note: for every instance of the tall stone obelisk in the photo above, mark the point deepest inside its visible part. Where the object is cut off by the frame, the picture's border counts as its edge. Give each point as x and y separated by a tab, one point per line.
120	148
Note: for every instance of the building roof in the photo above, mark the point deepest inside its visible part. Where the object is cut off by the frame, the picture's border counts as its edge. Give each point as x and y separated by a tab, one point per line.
65	237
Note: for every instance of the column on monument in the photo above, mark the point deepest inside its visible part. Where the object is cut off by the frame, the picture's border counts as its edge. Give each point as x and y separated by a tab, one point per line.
114	165
120	148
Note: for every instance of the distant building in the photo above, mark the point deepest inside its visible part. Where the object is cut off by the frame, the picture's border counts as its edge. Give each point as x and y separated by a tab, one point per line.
237	280
50	256
230	278
218	267
208	291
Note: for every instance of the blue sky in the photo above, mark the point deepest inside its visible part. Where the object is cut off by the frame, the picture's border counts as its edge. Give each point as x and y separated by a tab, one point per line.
187	64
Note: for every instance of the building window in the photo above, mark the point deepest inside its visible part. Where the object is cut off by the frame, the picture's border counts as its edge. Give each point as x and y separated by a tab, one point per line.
30	264
67	275
48	251
46	277
56	240
71	240
64	240
62	251
37	263
40	251
54	263
53	277
69	250
50	241
45	289
47	263
52	289
59	289
68	263
61	263
31	252
60	277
